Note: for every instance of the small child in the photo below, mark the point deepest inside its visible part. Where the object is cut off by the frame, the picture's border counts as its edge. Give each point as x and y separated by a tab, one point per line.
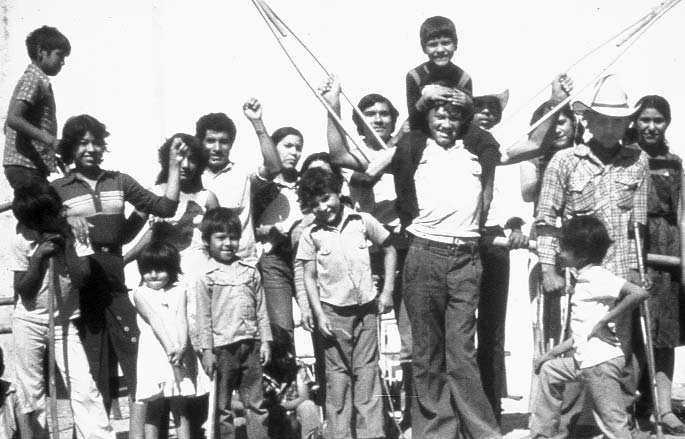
10	407
165	363
598	362
235	334
287	392
436	78
31	128
337	276
44	234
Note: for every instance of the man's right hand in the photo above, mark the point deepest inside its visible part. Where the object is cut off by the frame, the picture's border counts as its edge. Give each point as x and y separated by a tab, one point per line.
81	229
208	362
552	283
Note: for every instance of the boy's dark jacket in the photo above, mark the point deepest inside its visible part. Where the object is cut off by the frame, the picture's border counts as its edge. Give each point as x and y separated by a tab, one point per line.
477	141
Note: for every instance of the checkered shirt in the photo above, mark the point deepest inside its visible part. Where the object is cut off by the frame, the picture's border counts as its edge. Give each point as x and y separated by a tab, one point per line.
577	183
34	89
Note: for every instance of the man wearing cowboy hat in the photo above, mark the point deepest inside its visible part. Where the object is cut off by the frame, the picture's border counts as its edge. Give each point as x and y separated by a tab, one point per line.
602	178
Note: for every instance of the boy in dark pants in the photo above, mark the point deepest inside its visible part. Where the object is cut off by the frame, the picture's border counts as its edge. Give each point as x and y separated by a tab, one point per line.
31	129
235	334
337	277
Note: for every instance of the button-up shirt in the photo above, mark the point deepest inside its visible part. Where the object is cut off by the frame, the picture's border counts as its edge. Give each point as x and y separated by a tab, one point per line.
341	253
230	304
576	183
35	90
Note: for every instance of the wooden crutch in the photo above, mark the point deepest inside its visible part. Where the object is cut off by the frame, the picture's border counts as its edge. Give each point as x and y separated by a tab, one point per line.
211	411
646	326
53	286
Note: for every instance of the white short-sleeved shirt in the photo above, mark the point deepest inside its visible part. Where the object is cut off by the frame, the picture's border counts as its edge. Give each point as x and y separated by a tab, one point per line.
448	190
596	292
378	200
233	189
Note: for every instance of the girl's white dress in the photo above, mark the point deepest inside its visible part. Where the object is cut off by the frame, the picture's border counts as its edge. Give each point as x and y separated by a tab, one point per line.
156	377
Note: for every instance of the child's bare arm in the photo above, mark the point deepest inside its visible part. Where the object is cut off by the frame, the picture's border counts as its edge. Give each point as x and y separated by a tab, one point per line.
160	330
27	283
182	320
16	119
314	300
557	350
385	300
630	297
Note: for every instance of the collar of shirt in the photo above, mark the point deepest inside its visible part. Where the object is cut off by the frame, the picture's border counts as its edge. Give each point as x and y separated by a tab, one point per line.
73	177
624	152
432	144
282	183
347	214
225	169
214	265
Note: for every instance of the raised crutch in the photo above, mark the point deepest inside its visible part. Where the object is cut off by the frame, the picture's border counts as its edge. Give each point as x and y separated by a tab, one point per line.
646	326
53	285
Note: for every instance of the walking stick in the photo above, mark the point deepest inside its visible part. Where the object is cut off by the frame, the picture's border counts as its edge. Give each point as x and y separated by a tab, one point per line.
566	307
211	415
53	285
384	385
646	326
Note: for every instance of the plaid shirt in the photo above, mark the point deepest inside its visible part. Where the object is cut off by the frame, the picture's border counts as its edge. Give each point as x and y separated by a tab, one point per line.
576	183
35	90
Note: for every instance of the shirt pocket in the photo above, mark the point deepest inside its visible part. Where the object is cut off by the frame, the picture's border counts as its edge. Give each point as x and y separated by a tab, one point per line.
581	194
239	297
626	186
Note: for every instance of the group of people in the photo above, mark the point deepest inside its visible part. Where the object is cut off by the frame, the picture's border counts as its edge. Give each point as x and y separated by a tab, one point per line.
405	222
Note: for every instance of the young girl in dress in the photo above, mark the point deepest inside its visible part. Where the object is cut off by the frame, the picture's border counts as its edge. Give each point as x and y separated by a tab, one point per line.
165	363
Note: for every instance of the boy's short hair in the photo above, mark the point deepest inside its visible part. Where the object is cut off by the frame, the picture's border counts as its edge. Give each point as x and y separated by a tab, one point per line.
436	27
368	101
315	183
196	154
215	122
160	256
33	204
46	38
73	131
587	237
220	219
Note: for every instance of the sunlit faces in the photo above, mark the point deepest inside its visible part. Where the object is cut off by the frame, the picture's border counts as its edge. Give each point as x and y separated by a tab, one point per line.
440	50
486	115
606	130
326	208
651	126
223	246
156	279
218	146
51	61
88	154
379	118
290	150
444	123
188	170
563	132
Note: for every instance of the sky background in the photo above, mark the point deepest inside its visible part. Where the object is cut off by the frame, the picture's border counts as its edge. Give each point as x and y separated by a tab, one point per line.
148	69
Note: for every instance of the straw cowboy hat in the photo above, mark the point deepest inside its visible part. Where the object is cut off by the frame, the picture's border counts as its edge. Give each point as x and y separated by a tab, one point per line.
609	99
